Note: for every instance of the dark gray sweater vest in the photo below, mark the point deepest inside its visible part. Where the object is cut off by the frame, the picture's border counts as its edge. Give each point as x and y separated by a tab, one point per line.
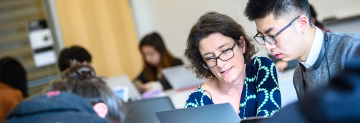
339	48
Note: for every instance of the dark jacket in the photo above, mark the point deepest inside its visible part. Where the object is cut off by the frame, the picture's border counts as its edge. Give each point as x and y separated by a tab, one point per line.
163	81
54	107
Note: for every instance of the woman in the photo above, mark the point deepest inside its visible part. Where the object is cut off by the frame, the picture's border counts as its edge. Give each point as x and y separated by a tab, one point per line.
81	80
156	57
219	50
13	85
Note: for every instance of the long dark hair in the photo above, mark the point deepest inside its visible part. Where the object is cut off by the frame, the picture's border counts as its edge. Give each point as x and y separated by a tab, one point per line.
155	40
13	74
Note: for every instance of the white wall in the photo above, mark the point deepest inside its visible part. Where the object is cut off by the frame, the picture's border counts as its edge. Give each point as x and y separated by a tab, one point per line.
173	19
336	8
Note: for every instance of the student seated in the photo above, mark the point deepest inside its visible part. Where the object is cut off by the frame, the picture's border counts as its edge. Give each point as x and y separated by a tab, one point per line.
81	80
286	29
54	107
13	85
156	57
76	53
219	49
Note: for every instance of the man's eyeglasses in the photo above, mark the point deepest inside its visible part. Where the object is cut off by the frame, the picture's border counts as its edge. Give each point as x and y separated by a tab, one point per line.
224	56
270	38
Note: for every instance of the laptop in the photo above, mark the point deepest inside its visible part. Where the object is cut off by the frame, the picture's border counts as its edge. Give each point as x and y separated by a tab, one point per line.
180	78
123	85
143	111
219	113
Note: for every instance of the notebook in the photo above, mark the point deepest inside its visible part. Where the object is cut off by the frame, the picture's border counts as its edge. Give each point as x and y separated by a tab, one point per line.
143	111
180	78
219	113
123	85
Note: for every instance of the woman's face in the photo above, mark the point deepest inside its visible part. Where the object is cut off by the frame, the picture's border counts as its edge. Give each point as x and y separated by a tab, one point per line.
151	55
230	70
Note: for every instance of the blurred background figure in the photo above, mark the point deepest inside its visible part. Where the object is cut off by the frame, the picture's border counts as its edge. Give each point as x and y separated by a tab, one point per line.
73	53
314	19
156	57
13	85
69	108
77	53
81	80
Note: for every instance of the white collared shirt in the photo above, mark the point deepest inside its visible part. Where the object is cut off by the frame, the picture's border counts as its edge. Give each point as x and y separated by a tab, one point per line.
315	49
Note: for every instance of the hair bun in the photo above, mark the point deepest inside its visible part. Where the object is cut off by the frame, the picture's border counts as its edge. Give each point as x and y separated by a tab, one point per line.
80	71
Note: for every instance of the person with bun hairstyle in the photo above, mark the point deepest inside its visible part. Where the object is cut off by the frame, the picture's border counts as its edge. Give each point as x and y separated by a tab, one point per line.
81	80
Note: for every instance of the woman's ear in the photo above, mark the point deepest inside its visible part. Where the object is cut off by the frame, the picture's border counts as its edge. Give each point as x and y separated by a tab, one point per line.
242	44
101	109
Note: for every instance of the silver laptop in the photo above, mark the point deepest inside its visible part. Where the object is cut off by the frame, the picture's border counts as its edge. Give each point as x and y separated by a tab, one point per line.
143	111
180	78
124	81
219	113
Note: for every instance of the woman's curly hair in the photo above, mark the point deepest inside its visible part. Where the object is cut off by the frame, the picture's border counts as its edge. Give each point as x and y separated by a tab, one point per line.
208	24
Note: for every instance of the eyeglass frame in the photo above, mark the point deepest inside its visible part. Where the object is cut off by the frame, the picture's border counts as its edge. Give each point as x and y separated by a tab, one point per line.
218	57
273	36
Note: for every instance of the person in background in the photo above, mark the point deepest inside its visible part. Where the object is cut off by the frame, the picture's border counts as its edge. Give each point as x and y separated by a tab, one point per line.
13	85
54	107
218	49
286	29
67	55
73	53
156	57
315	21
81	80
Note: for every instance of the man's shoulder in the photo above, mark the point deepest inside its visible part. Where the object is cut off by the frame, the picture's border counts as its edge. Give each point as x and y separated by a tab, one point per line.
344	37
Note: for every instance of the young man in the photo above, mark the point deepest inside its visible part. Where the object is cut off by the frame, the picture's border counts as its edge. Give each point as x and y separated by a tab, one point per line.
285	27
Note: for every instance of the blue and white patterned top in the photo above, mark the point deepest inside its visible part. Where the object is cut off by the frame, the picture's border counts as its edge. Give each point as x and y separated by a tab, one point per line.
260	95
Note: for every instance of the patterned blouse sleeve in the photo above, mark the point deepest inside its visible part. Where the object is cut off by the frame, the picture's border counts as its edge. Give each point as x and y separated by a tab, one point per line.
267	89
191	102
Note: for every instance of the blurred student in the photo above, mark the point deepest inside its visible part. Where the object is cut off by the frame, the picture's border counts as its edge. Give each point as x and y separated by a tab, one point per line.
315	21
76	53
73	53
81	80
156	57
54	107
219	49
13	85
286	29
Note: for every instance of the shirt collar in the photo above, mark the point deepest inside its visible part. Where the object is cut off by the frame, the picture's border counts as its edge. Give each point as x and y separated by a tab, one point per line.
315	49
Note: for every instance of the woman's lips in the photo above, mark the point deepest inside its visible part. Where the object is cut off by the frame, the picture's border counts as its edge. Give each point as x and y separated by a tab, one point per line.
278	56
226	71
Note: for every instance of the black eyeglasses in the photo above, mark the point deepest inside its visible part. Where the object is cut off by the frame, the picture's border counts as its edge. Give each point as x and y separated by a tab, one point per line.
270	38
224	56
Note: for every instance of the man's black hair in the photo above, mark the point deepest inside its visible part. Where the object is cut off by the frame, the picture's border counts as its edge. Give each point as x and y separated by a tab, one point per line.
73	53
257	9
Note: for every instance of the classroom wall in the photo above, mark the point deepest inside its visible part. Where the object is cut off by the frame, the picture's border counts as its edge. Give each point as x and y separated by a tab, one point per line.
106	29
173	19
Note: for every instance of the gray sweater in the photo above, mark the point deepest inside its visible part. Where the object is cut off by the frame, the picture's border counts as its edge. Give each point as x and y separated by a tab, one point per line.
340	48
